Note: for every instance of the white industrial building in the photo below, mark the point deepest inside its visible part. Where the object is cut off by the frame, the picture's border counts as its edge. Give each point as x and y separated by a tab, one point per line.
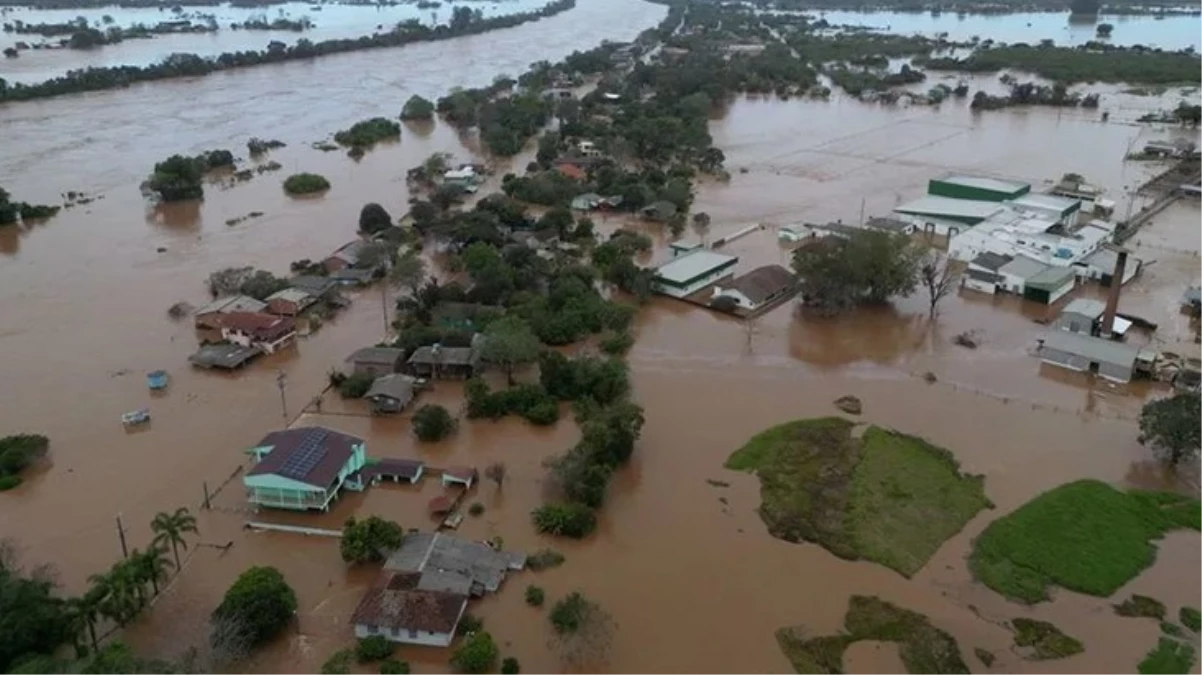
686	274
1014	233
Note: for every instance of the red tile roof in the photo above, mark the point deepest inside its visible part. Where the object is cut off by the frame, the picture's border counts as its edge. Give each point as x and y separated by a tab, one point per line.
258	325
393	603
463	473
334	450
572	171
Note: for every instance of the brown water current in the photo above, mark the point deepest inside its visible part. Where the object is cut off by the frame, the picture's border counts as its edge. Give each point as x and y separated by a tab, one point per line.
694	584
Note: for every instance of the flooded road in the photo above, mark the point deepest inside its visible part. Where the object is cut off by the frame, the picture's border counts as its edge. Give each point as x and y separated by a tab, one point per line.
86	294
333	21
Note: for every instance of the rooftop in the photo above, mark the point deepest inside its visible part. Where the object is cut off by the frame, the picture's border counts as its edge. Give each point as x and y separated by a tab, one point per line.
453	356
1051	277
1043	201
392	602
986	183
233	303
986	277
991	261
310	455
395	386
889	224
1022	267
386	356
258	325
1093	309
763	282
444	557
401	468
313	285
224	355
950	208
1093	348
297	295
688	267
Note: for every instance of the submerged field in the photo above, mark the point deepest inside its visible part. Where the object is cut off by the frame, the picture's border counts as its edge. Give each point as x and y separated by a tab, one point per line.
1085	536
922	647
884	496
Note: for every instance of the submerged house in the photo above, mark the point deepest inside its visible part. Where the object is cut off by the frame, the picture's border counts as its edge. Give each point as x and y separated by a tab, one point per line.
439	362
267	332
376	361
209	316
303	468
1115	361
758	287
289	302
390	393
686	274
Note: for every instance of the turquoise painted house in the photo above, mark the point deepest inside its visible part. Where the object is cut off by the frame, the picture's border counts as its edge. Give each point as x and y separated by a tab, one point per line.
304	468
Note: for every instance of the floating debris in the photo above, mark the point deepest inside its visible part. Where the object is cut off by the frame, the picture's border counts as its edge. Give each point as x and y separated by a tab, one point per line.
849	404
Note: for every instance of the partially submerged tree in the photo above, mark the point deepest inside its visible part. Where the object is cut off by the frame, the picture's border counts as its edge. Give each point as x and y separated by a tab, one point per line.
170	528
177	178
259	604
1173	427
509	343
939	278
477	654
867	266
432	423
374	218
408	272
496	472
583	631
370	539
417	108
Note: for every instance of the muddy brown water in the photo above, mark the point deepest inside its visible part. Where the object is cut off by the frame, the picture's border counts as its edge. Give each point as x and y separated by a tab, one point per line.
85	298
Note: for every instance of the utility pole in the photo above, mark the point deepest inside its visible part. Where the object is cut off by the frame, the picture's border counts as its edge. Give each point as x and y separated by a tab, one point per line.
281	381
121	536
384	305
863	200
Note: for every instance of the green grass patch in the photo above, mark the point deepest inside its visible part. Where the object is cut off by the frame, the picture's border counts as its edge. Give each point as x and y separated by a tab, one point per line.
1085	536
984	656
885	497
922	647
1191	617
1169	657
1045	640
1142	606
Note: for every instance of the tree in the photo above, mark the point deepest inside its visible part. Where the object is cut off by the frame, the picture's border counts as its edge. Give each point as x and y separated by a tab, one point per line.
701	224
1105	29
559	219
373	648
1171	426
510	666
260	601
565	520
939	278
867	266
177	178
417	108
496	472
369	540
305	183
432	423
508	343
374	218
394	667
152	565
409	272
170	528
478	654
583	631
33	620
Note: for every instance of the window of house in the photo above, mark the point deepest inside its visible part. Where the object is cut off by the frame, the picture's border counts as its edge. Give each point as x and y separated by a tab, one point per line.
413	634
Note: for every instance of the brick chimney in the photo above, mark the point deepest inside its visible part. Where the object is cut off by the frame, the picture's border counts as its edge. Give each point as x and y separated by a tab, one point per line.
1112	300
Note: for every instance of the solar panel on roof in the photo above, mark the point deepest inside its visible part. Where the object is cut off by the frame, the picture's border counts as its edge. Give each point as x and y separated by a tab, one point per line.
308	453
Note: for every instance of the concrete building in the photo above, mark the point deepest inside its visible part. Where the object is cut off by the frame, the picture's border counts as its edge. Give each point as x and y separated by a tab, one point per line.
390	393
1112	360
1063	210
209	316
376	361
1099	266
268	332
684	275
1084	316
1034	280
1014	233
946	216
303	468
979	188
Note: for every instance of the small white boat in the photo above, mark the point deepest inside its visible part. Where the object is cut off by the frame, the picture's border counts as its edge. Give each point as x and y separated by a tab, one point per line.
136	417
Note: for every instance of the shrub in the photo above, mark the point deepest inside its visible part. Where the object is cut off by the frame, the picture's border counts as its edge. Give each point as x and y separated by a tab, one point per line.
368	132
355	386
570	613
565	520
616	344
545	558
417	108
543	413
374	218
1169	656
1140	605
177	178
9	482
1191	617
535	596
478	654
510	666
469	624
339	663
394	667
476	509
432	423
305	183
370	539
17	452
259	603
373	648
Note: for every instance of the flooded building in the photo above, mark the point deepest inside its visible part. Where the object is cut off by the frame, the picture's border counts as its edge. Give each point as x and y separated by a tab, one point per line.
302	468
1063	210
390	393
1030	278
209	316
977	188
376	361
758	288
266	332
289	302
1112	360
1014	233
946	216
439	362
684	275
318	287
1100	265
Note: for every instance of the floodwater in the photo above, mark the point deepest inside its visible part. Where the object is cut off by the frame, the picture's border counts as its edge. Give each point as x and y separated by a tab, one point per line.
1170	32
333	21
85	298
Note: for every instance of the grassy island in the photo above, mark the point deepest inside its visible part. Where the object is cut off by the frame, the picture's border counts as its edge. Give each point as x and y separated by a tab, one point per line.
885	497
1085	536
922	647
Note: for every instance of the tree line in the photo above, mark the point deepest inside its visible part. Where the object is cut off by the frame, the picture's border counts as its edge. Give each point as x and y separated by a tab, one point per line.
192	65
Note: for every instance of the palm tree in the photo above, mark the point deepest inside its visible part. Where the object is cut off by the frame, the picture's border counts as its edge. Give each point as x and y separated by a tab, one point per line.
171	528
152	565
85	610
113	595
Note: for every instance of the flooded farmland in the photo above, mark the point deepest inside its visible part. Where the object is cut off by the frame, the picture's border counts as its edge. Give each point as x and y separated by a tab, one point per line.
86	294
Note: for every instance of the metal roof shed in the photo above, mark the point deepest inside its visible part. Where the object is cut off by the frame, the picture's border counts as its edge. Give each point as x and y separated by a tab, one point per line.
980	188
1114	361
967	211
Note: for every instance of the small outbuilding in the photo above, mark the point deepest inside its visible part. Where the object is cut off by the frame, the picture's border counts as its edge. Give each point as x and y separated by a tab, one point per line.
758	288
460	475
390	393
376	361
438	362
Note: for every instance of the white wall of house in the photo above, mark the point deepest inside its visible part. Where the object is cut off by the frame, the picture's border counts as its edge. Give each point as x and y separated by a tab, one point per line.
696	285
736	295
1063	290
246	340
1012	283
409	637
981	286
